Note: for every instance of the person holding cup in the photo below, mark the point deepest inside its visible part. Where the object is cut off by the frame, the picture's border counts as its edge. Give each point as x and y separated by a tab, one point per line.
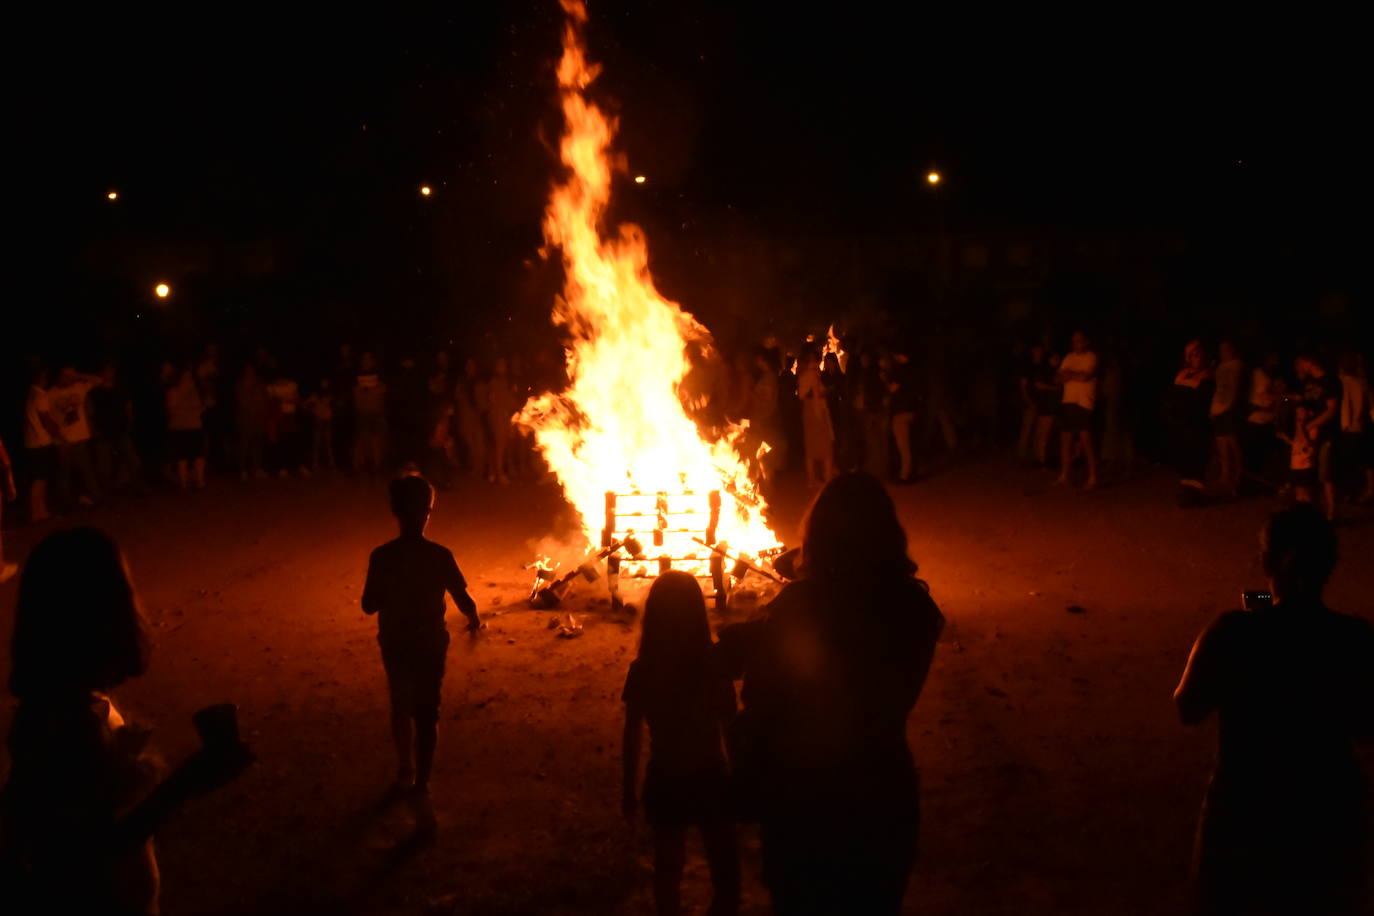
83	799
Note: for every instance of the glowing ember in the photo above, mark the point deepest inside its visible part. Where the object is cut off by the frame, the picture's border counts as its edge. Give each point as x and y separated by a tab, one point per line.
628	456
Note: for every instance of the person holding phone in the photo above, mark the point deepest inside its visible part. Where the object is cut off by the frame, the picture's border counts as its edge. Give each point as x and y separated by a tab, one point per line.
1284	822
83	799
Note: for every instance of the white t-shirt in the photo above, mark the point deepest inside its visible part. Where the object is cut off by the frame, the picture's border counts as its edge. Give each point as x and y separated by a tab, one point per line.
287	393
1084	394
36	435
68	405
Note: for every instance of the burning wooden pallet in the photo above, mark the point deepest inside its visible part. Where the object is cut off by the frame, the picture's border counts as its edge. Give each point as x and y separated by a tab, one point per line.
662	531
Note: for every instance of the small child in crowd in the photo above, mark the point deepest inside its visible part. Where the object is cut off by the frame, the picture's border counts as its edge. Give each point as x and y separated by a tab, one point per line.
1302	458
679	688
406	581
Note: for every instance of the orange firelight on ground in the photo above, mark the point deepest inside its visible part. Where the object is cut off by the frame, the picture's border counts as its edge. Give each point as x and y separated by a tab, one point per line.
640	179
620	426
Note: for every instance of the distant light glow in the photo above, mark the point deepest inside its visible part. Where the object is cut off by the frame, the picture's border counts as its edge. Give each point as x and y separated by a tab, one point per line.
425	190
113	195
162	290
640	179
933	177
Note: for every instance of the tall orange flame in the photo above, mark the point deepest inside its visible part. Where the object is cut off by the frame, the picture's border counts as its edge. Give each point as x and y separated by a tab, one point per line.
619	426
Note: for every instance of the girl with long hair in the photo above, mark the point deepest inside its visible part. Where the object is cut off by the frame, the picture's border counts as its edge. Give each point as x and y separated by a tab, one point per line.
830	676
677	686
82	801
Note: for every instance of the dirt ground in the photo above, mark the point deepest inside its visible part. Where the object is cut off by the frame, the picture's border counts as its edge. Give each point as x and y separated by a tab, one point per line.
1056	778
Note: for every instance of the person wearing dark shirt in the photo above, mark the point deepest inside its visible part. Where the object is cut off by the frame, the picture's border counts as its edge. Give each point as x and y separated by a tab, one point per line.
677	686
1321	396
112	412
830	676
406	582
1186	409
1284	822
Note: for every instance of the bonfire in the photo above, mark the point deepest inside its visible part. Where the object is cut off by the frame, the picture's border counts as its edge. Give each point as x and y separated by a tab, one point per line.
653	489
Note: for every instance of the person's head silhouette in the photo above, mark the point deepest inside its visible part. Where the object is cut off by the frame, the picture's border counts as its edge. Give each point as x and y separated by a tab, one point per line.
676	632
852	533
412	498
77	624
1298	552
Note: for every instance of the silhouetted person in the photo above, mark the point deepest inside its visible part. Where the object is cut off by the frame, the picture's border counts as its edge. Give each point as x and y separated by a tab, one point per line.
1078	375
83	801
678	686
830	676
1187	409
1284	819
8	493
406	581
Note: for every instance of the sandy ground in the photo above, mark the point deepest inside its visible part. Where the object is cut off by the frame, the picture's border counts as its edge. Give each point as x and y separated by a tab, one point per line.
1056	776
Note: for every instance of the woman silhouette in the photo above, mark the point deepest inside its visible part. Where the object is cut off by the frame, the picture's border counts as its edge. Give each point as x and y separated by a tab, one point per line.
830	675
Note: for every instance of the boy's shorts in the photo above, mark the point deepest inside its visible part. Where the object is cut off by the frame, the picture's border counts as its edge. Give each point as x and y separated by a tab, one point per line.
1075	418
415	676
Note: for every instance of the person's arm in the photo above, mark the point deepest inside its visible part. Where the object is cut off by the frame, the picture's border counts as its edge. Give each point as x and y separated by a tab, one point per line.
1199	690
457	586
634	732
735	644
370	601
7	473
201	773
1314	425
45	418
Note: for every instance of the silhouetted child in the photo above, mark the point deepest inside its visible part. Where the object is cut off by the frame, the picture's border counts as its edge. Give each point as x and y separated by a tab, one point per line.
406	581
679	688
84	798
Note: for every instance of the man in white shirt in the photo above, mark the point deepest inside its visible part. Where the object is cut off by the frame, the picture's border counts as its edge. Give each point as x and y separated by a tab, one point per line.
1078	375
67	404
40	444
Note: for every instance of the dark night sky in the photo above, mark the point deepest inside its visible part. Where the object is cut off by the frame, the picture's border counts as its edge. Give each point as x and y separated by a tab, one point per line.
310	132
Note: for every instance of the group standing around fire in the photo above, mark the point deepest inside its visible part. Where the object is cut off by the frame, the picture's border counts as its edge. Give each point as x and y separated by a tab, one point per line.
812	747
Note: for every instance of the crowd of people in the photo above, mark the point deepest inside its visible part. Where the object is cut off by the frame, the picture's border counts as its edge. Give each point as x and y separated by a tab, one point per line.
824	405
88	435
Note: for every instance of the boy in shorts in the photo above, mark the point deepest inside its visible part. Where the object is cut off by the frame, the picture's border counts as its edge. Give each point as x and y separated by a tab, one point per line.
1302	458
406	582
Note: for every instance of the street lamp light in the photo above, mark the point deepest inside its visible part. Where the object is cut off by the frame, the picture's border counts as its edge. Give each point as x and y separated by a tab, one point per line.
113	195
640	179
425	190
162	290
933	178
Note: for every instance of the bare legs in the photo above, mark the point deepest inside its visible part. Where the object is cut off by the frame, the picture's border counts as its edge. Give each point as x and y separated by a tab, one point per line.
1229	463
1072	444
722	857
1043	424
38	500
